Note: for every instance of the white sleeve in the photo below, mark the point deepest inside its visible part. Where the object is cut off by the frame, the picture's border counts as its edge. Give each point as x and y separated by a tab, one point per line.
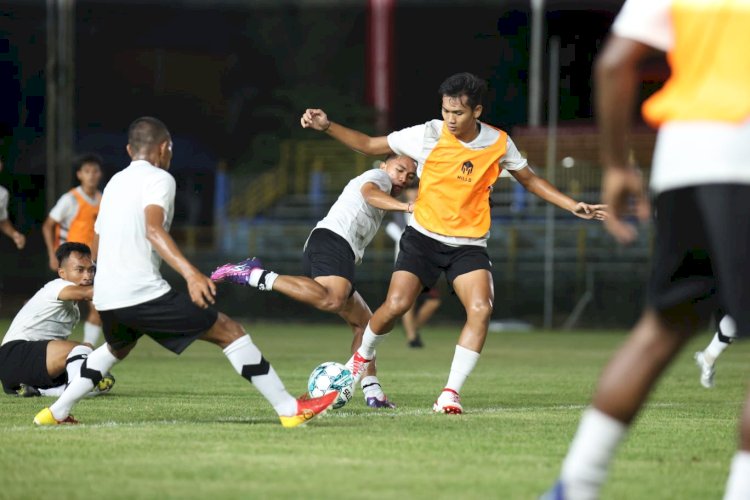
379	178
53	288
646	21
408	141
512	159
160	191
3	203
65	208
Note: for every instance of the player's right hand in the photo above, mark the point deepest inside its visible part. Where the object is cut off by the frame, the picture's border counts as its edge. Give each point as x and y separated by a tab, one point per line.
202	290
624	194
315	119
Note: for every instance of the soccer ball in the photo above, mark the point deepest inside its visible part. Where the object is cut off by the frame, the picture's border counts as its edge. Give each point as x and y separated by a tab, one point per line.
331	376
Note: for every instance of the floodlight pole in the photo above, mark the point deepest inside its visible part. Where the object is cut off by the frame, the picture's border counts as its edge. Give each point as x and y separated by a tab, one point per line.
549	246
535	63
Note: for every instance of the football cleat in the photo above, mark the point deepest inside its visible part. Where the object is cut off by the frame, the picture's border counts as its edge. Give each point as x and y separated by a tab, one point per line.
556	493
105	384
357	365
374	402
45	417
238	273
27	391
448	402
707	370
416	343
308	408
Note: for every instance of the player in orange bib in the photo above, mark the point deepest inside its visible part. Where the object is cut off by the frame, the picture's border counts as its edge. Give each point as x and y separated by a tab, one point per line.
72	220
459	159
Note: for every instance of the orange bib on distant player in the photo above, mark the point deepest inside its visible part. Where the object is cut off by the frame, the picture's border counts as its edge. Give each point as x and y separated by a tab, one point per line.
454	187
81	229
710	78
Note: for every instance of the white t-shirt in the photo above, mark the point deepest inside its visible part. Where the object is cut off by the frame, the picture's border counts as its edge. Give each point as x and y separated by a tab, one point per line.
687	153
44	316
3	203
66	207
127	267
351	217
418	142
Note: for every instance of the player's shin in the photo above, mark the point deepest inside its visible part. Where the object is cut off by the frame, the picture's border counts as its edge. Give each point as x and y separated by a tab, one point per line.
249	362
464	361
75	359
587	462
92	370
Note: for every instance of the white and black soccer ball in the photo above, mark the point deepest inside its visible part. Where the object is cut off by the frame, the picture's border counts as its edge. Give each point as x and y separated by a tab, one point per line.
331	376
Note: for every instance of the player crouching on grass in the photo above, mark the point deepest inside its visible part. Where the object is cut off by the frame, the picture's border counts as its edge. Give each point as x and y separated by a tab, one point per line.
132	237
334	247
36	357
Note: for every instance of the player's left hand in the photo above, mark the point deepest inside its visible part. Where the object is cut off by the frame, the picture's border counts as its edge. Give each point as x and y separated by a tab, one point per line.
202	290
589	212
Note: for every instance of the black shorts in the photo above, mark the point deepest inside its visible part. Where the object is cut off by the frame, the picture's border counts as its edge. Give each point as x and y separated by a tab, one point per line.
25	362
172	320
701	259
328	254
427	258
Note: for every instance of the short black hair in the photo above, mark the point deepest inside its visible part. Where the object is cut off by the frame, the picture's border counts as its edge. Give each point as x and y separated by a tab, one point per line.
147	132
63	251
473	87
84	158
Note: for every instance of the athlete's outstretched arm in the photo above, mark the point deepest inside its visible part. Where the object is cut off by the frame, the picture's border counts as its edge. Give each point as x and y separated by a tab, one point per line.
202	289
317	119
549	193
378	199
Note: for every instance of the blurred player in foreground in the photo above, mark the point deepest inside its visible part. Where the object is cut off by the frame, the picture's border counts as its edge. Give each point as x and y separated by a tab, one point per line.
36	357
334	247
701	181
459	159
134	300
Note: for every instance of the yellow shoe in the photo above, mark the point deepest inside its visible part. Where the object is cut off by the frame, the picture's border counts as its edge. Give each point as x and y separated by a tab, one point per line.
45	417
308	408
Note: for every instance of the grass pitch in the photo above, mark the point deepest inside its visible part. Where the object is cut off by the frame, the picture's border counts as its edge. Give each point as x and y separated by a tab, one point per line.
189	427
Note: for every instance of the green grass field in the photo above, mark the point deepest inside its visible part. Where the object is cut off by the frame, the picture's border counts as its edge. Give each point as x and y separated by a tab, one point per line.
189	427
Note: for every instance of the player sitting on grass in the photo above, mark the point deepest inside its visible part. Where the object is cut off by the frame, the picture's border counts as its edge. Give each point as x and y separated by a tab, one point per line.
334	247
36	357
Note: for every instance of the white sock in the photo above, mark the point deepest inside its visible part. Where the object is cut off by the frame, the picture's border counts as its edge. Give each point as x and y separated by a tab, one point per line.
262	279
75	359
100	360
370	342
464	361
371	387
53	391
246	358
585	467
738	484
727	328
91	333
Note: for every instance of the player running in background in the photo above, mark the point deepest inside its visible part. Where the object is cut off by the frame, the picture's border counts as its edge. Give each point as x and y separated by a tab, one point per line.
134	300
700	259
36	357
334	247
428	301
72	219
706	359
459	159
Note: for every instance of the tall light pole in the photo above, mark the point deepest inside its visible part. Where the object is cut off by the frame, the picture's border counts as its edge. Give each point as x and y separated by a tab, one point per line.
535	63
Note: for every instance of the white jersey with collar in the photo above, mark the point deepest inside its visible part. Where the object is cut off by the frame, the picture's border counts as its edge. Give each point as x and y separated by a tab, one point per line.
352	218
45	316
127	267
